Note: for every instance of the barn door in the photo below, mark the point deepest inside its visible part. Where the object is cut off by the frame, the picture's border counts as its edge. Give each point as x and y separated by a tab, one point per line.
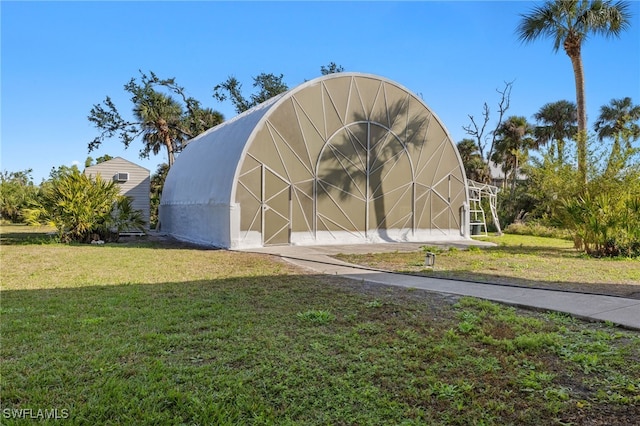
276	209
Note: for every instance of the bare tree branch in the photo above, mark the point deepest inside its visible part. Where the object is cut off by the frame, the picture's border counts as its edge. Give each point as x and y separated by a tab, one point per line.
503	106
477	131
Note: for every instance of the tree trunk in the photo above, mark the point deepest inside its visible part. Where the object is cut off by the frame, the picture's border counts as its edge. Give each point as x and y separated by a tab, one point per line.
572	48
169	146
514	176
166	139
560	148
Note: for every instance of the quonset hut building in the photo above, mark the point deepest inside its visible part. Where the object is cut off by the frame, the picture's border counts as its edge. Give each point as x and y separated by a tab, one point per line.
345	158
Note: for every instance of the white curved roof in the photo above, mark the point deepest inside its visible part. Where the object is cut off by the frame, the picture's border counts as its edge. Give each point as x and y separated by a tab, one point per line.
205	169
344	157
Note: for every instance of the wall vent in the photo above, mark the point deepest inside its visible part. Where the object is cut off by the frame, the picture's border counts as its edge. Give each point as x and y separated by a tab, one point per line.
121	177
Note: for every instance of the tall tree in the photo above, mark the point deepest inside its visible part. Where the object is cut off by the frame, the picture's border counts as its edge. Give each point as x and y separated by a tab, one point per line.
568	23
478	130
269	85
160	124
89	161
619	121
332	68
160	120
474	165
513	140
557	123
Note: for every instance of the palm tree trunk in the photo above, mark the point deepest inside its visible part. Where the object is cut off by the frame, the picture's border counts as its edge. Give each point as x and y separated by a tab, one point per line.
514	177
166	138
169	146
560	148
573	50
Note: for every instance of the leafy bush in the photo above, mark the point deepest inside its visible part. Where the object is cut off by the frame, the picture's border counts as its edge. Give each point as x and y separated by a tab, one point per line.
604	225
602	217
605	218
513	205
316	316
549	182
124	217
83	209
157	183
17	191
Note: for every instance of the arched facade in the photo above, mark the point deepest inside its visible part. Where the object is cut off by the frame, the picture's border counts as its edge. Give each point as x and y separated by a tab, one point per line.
344	158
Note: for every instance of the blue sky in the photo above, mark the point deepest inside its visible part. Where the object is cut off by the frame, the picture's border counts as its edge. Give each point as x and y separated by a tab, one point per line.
61	58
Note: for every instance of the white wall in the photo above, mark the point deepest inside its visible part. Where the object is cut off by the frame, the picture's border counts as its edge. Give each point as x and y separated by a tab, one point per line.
203	224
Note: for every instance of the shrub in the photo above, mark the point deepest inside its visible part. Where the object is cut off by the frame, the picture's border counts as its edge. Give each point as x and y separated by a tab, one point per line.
602	217
83	209
605	226
17	191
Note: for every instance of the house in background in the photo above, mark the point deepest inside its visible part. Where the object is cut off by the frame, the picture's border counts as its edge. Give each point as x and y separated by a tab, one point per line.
133	180
499	178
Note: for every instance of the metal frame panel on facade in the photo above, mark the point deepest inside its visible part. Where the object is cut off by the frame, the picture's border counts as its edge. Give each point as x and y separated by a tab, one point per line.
360	158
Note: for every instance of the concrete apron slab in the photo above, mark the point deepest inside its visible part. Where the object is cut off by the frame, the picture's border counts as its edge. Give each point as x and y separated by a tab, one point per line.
329	250
617	310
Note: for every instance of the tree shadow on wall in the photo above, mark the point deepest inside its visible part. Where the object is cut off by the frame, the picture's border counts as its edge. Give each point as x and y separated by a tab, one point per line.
367	160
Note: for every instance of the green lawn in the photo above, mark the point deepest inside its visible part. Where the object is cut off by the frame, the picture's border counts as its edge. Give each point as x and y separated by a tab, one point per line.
151	333
520	260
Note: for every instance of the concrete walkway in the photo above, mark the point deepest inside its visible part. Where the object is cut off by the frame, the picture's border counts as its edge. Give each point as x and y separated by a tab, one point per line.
618	310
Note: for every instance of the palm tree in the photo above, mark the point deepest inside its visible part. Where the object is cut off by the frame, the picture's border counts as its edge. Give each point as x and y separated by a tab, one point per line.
620	121
160	117
513	140
557	123
162	121
474	166
569	23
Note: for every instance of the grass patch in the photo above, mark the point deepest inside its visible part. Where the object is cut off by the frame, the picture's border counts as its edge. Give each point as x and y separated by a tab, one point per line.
316	316
538	230
147	334
518	260
11	234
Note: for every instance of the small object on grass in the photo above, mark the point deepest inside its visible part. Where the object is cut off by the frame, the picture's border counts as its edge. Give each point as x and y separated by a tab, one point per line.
430	259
